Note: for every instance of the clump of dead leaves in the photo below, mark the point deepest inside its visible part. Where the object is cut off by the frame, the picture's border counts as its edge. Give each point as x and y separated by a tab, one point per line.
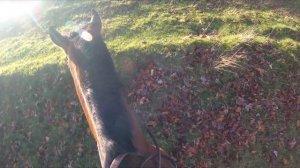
243	111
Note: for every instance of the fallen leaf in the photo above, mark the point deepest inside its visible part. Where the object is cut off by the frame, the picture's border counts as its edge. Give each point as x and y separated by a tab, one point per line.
261	71
260	127
238	110
151	123
204	81
248	107
160	81
298	124
165	113
240	101
275	153
143	100
47	139
187	83
285	161
292	143
191	151
273	114
152	72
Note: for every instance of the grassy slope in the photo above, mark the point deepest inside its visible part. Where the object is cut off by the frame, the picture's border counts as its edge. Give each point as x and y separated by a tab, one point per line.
41	124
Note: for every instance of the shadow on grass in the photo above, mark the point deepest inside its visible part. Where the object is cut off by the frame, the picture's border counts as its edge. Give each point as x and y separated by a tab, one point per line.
106	9
41	122
291	6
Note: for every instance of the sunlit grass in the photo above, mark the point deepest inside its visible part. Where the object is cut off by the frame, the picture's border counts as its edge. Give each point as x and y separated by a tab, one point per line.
157	30
26	54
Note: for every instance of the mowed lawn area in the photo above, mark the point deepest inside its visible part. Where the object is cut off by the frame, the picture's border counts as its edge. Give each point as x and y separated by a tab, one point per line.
217	82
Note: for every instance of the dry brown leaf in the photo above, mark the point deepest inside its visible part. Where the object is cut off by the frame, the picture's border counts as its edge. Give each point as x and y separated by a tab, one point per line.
143	100
298	124
285	161
261	71
165	113
238	110
151	123
240	101
260	127
191	151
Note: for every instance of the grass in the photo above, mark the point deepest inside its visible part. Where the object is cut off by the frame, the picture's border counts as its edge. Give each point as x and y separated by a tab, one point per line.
41	122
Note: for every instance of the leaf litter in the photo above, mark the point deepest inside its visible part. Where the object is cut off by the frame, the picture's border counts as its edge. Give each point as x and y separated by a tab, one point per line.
207	116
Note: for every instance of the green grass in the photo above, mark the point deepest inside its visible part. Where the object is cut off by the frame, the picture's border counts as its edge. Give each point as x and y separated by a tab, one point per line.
41	122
